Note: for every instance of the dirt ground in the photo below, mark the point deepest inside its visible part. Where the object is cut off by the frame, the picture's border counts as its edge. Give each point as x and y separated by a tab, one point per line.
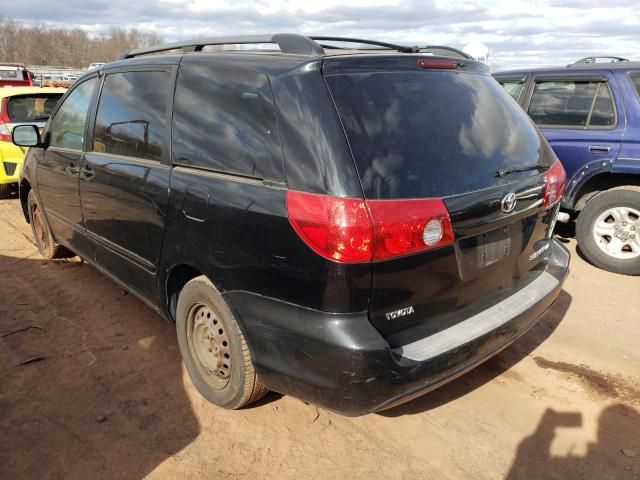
92	386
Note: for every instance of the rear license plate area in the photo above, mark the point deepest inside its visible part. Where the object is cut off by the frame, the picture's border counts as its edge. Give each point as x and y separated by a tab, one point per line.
487	249
493	246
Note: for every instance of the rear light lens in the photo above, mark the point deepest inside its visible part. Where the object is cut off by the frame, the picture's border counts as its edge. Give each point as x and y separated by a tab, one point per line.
336	228
429	64
402	227
5	134
353	230
555	180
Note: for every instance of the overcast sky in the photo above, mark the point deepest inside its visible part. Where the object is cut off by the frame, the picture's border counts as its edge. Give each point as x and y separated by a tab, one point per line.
518	33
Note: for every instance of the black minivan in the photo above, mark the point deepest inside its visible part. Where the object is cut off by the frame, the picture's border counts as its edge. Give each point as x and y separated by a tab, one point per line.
353	227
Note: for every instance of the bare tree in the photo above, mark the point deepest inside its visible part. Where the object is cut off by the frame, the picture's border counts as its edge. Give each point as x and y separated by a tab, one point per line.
43	45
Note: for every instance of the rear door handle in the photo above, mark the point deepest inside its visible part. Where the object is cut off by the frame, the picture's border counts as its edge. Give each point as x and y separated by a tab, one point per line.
599	148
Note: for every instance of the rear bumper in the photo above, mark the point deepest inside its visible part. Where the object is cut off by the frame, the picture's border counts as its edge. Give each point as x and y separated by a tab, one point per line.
342	363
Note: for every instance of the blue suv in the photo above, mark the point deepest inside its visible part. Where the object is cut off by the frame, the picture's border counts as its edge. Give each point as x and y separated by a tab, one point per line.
589	112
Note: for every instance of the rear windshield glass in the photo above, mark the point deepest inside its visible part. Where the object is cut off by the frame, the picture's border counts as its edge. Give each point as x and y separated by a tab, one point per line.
431	134
32	108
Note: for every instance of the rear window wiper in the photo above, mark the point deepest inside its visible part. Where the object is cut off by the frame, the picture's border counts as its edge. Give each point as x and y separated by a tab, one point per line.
36	119
503	172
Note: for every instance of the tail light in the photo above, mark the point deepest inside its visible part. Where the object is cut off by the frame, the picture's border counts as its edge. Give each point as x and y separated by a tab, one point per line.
354	230
402	227
555	180
5	133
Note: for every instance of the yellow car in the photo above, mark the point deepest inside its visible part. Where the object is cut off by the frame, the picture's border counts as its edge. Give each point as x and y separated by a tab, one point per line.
18	105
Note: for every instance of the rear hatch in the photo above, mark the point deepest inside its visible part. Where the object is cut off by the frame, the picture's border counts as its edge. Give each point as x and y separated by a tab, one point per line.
429	128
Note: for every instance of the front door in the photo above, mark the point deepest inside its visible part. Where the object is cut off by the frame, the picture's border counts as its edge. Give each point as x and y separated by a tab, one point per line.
59	166
124	180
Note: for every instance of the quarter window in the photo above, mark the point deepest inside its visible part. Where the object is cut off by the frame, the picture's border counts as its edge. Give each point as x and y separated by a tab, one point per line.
635	81
572	103
513	87
224	120
131	118
67	126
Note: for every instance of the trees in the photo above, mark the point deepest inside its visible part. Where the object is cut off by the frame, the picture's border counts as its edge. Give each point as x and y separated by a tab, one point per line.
43	45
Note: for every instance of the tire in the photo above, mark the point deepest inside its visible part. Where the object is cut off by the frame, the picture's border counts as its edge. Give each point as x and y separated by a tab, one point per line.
5	190
41	231
607	230
213	347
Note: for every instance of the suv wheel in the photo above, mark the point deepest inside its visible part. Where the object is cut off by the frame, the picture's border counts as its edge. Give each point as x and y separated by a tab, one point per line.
47	246
213	348
607	230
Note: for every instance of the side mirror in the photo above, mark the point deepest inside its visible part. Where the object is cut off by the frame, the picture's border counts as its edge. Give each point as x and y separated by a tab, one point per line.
26	136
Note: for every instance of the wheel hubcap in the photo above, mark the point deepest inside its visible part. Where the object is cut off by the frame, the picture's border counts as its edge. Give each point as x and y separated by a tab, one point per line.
616	232
209	345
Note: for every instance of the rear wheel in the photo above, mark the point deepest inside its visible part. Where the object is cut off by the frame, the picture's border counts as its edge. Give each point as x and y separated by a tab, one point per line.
213	347
607	230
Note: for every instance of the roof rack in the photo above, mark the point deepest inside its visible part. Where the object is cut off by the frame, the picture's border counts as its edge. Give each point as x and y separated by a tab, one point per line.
592	60
444	50
392	46
288	43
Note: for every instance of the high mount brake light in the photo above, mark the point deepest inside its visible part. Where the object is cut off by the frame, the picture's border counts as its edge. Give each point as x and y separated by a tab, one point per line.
555	180
353	230
429	64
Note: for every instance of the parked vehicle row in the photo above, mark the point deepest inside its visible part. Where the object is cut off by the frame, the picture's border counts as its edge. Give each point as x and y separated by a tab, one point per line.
350	227
590	114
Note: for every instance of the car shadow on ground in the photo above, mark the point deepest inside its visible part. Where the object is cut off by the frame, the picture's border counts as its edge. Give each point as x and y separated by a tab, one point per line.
492	368
91	380
611	456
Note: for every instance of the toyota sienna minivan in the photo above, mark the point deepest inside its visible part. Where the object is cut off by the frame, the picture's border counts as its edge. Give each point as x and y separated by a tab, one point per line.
350	222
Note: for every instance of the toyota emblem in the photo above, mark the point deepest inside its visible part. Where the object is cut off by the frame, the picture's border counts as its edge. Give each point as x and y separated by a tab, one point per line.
509	201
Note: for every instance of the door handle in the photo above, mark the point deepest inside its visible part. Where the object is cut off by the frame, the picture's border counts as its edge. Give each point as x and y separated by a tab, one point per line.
599	148
72	170
86	173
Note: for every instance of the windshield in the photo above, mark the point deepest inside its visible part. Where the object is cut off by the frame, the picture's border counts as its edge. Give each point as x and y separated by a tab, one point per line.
32	108
432	134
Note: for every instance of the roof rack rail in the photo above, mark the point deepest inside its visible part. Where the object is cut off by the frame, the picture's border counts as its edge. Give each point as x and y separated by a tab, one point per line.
288	43
392	46
592	60
444	50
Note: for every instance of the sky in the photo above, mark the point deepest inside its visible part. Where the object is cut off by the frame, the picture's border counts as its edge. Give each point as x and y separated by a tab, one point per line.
518	33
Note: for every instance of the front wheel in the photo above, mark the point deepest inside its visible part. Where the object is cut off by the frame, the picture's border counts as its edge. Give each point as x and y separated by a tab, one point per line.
42	235
213	347
607	230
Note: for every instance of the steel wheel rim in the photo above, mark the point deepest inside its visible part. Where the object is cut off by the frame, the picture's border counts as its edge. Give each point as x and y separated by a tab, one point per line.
38	227
615	231
209	345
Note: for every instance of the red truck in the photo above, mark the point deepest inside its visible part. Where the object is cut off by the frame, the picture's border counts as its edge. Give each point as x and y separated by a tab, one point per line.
16	75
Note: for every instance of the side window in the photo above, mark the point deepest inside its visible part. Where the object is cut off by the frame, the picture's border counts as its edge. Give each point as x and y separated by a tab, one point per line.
603	113
224	120
513	87
572	103
131	118
67	127
635	81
